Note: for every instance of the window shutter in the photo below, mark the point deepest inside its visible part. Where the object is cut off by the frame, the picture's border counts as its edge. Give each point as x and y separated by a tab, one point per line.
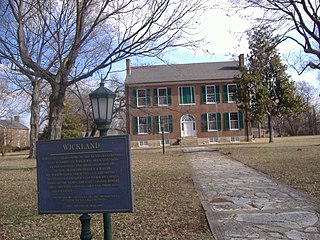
135	125
155	96
148	96
226	121
217	91
170	123
203	94
180	95
225	93
218	121
169	96
134	97
239	92
187	95
149	124
156	124
204	122
240	120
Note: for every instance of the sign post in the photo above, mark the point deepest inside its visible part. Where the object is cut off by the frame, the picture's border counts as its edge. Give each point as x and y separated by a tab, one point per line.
85	175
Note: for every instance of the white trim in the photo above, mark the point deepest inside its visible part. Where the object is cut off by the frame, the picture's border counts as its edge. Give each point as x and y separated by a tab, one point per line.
213	140
145	91
166	142
143	144
229	101
193	95
235	139
159	104
214	94
216	128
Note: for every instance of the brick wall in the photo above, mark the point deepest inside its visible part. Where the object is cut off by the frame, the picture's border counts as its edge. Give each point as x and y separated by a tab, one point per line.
177	111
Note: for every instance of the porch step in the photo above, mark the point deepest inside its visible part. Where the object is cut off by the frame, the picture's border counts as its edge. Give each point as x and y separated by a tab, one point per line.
189	141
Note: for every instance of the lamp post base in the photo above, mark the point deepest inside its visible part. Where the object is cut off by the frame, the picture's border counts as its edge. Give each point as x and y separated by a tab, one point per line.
85	227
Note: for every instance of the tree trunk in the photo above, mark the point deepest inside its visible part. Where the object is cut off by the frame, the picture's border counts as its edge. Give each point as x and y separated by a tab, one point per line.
34	118
314	118
57	98
270	127
259	129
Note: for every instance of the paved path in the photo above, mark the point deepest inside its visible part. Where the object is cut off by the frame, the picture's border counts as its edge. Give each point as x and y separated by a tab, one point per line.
242	203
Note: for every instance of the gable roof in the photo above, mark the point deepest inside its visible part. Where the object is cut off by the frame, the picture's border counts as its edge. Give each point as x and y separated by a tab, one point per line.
12	125
183	72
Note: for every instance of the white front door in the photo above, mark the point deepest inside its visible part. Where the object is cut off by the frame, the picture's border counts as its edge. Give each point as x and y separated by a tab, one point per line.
188	126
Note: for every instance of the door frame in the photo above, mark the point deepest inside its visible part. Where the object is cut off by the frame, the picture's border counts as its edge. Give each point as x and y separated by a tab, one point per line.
189	121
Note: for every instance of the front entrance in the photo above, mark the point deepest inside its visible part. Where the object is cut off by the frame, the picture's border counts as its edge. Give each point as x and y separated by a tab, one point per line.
188	126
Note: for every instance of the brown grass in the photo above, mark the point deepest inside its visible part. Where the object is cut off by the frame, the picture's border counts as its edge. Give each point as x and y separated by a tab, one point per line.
294	160
166	204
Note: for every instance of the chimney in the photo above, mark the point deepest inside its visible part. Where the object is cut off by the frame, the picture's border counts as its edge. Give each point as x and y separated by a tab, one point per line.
16	119
241	61
128	66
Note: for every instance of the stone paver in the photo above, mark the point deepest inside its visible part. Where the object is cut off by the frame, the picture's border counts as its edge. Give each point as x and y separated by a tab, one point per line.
242	203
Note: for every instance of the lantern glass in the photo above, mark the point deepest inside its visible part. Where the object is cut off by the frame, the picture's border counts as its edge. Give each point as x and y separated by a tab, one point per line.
95	108
103	109
110	107
102	100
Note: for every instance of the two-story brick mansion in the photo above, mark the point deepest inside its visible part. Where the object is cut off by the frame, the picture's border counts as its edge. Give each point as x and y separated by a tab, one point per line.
190	102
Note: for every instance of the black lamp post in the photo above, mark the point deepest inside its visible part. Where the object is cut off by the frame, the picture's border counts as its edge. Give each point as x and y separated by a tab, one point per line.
162	136
102	100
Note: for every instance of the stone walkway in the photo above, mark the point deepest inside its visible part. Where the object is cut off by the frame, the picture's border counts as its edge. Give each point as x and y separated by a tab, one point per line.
242	203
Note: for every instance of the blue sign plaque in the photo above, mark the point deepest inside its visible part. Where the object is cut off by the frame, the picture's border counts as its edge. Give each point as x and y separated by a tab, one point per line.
84	175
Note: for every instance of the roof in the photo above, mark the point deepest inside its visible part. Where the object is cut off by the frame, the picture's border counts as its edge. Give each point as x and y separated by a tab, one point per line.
12	125
183	72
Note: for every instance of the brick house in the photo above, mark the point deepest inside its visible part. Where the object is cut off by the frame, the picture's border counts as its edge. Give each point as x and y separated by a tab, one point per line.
13	133
192	103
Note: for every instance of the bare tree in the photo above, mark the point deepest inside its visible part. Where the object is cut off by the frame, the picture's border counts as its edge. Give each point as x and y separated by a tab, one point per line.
66	41
32	88
298	21
13	100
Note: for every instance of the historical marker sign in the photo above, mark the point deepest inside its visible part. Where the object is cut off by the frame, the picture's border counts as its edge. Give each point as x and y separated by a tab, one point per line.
84	175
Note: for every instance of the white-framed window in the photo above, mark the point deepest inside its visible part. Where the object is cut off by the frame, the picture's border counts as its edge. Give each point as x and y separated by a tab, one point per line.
235	139
186	95
210	94
234	120
213	140
212	122
162	96
141	97
166	142
232	92
143	125
164	121
143	144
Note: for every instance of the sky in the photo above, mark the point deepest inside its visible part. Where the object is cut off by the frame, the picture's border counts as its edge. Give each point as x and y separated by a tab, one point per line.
224	31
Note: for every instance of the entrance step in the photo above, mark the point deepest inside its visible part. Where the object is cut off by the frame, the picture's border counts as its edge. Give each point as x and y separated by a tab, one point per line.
189	141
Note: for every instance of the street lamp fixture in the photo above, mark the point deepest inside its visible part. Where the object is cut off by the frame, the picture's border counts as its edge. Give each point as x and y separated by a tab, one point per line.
102	100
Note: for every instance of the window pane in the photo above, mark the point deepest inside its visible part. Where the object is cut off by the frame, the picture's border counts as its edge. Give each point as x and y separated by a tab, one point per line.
232	91
212	121
162	96
210	92
234	123
142	125
142	97
164	121
186	95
